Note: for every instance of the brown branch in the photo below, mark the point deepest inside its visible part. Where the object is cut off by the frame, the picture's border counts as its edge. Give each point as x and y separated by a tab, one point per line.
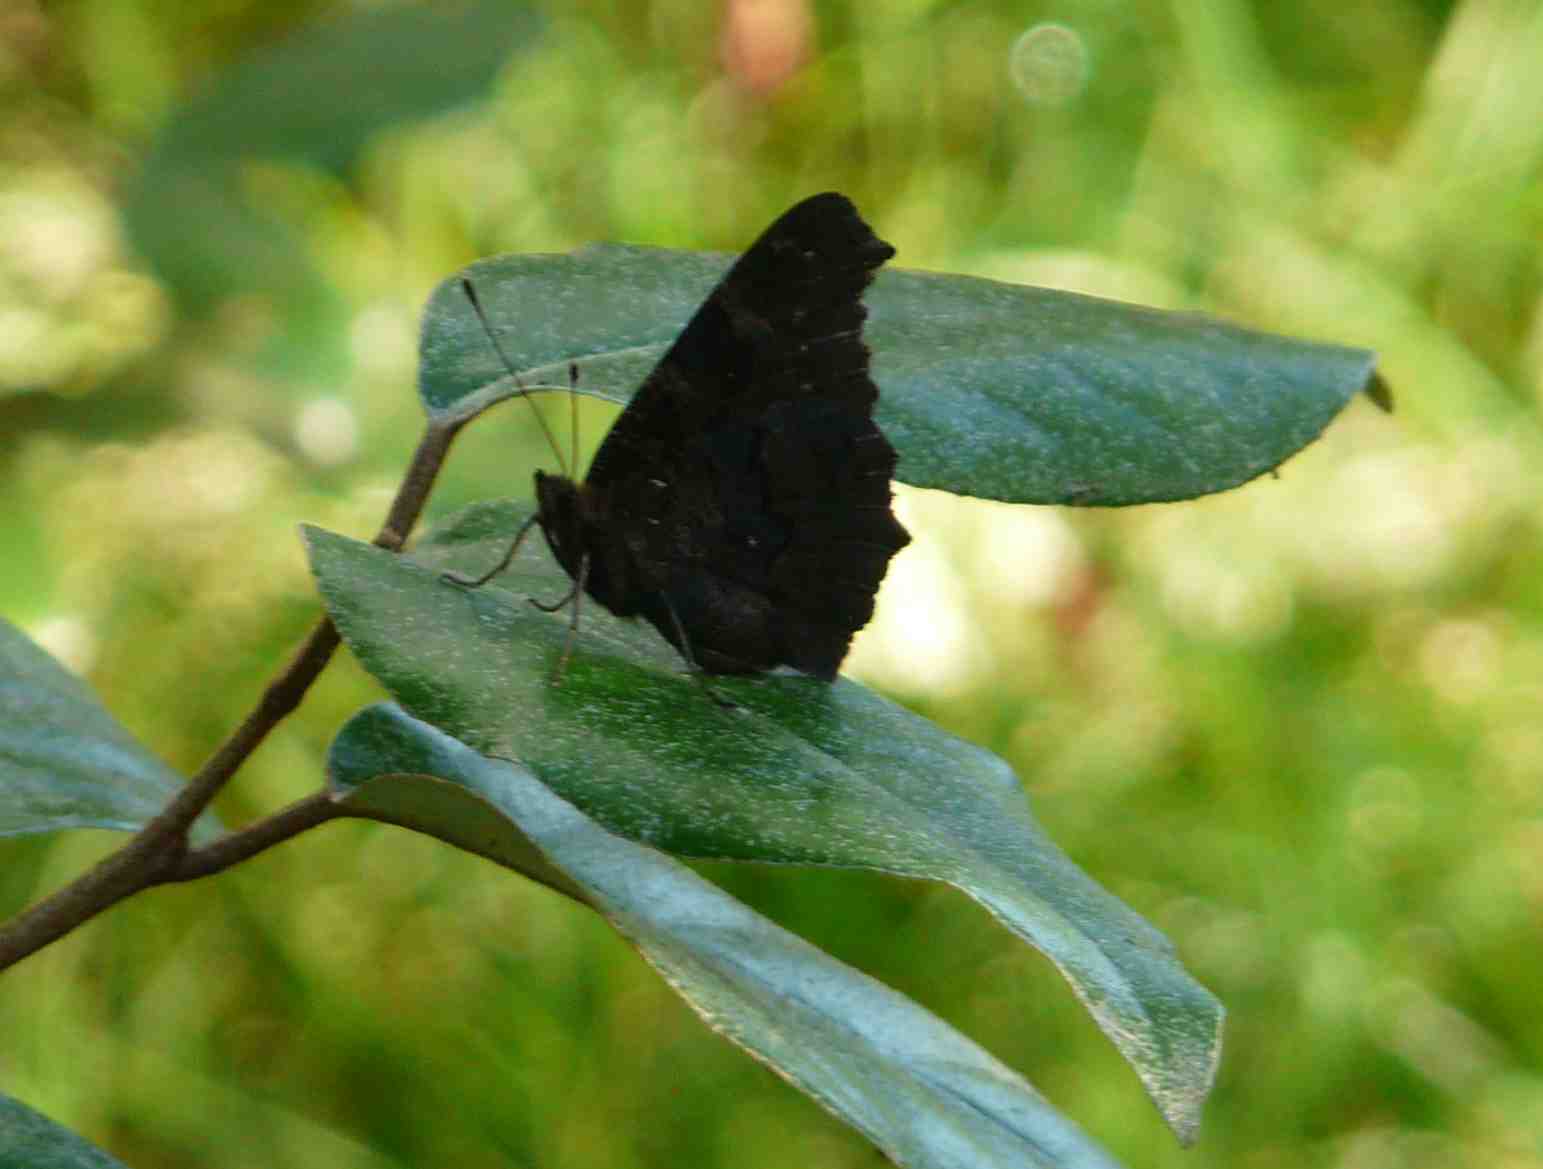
279	700
159	852
417	482
244	843
121	875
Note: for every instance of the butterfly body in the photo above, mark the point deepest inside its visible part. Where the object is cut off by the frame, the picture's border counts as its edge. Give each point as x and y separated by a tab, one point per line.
741	503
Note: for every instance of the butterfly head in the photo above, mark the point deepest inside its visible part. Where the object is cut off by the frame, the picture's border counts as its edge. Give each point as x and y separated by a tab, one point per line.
559	510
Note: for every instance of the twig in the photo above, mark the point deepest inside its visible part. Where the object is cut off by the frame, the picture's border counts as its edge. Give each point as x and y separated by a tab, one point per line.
159	852
244	843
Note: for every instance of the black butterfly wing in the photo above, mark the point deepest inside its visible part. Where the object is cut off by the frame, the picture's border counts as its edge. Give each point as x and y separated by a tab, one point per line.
785	321
747	477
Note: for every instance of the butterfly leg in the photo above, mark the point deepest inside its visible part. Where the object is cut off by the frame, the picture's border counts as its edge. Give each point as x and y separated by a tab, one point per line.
696	670
476	582
577	597
570	595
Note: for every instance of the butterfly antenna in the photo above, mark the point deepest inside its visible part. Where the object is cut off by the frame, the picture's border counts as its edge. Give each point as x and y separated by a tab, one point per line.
573	414
471	294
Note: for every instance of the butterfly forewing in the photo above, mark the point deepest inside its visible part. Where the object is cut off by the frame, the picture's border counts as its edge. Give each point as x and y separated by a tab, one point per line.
785	322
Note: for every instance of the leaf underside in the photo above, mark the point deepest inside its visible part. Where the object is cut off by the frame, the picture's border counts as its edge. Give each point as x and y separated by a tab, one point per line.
922	1092
798	771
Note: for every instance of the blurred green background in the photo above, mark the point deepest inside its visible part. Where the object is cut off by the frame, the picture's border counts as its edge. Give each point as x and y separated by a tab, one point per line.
1295	725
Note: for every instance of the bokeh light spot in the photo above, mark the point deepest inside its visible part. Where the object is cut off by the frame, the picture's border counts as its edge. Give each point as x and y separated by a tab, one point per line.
70	640
1049	64
327	431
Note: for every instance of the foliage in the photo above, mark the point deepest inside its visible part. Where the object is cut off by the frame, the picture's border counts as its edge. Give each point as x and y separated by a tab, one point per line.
1291	724
583	781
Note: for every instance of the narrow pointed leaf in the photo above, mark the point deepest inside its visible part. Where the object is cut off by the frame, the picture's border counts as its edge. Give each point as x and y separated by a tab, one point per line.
798	771
923	1093
65	762
1028	395
324	92
319	97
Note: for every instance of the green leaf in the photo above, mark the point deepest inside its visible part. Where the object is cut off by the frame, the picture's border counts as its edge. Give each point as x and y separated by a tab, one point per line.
1028	395
29	1140
798	771
320	97
923	1093
322	94
64	761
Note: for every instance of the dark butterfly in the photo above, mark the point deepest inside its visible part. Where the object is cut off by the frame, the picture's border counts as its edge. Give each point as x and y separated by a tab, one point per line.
741	503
